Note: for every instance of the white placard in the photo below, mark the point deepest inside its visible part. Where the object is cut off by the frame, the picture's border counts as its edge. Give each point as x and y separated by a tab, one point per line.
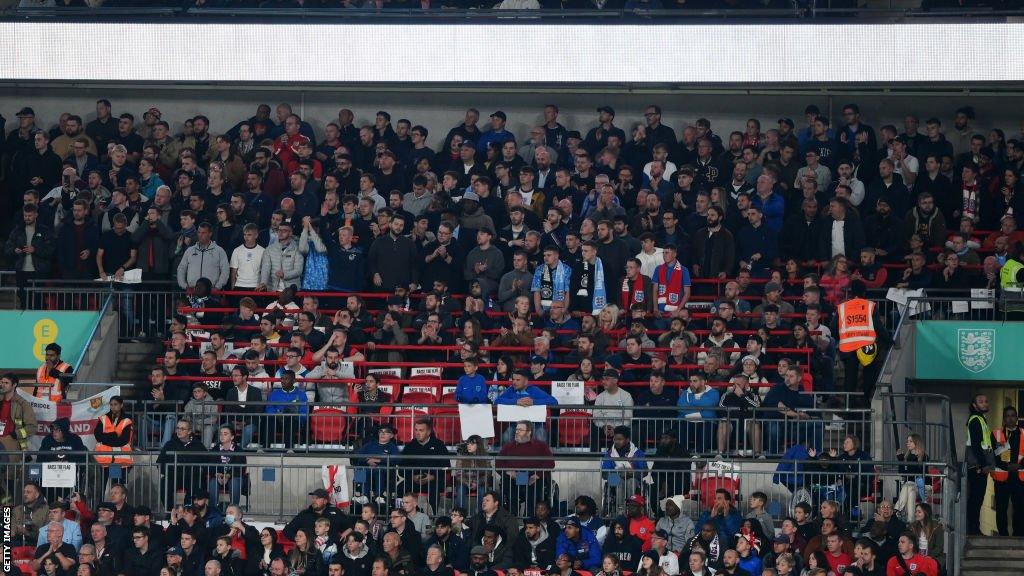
424	371
59	475
568	392
982	298
901	296
419	389
393	372
448	389
960	306
476	419
514	413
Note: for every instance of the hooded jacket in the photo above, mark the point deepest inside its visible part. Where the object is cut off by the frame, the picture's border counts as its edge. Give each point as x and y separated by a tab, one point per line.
283	257
71	443
538	553
681	529
585	549
627	549
208	261
360	564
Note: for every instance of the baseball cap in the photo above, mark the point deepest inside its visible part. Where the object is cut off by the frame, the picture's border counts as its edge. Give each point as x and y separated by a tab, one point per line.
468	144
637	499
478	551
610	373
787	121
26	111
175	551
772	287
573	522
781	539
536	359
106	506
659	355
573	134
471	196
607	109
661	533
319	493
499	114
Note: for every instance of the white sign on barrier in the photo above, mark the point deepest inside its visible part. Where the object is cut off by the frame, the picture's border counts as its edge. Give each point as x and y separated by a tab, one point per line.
59	475
476	419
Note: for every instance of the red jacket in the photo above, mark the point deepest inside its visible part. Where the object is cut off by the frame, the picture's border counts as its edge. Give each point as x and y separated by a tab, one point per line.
643	529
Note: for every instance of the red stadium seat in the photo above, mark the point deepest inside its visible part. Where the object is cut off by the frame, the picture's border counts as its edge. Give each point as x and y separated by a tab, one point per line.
448	398
574	428
404	420
327	425
417	398
447	426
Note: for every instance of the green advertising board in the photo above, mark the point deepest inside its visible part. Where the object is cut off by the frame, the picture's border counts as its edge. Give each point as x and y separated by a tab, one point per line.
949	350
27	333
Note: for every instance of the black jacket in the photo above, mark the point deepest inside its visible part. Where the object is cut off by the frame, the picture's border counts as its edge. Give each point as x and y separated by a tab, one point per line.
148	563
43	241
68	250
541	554
853	237
254	395
253	549
307	520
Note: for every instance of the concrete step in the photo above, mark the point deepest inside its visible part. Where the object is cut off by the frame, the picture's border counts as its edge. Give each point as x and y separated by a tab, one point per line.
986	553
992	564
1000	542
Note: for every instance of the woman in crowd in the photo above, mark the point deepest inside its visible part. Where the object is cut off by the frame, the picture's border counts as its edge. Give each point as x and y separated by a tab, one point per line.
929	533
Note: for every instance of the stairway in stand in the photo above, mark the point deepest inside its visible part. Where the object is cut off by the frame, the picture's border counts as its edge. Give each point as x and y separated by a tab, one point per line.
993	556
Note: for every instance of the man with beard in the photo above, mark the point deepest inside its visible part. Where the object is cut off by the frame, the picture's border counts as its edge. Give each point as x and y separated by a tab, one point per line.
707	545
535	546
579	543
731	564
621	544
714	249
980	461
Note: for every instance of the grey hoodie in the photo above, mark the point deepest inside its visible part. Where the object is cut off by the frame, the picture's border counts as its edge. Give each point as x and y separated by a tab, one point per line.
208	261
680	530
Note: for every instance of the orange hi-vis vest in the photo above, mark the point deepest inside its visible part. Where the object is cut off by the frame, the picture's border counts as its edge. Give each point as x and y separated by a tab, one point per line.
856	324
48	387
117	454
1000	436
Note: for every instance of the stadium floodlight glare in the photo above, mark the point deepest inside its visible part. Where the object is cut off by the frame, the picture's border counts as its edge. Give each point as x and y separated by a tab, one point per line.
453	53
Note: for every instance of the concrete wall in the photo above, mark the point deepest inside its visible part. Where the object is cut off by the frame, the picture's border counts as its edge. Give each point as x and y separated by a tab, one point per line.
440	108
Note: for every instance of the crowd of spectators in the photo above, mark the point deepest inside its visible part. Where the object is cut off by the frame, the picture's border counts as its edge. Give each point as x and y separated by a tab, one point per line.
698	270
117	537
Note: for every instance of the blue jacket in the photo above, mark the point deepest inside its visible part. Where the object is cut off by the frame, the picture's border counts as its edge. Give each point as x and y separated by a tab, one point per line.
296	396
789	472
688	402
492	136
774	210
726	525
471	389
540	397
373	449
586	550
636	459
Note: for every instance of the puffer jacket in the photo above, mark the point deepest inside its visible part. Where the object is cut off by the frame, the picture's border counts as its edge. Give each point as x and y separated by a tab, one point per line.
284	257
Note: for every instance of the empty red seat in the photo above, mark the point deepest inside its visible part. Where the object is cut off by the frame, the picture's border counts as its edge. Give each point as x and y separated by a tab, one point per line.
574	428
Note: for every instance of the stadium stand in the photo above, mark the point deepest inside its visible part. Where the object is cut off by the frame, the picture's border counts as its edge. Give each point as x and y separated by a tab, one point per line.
336	306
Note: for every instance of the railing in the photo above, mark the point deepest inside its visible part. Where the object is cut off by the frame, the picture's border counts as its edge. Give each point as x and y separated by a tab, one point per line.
330	427
796	9
144	309
275	486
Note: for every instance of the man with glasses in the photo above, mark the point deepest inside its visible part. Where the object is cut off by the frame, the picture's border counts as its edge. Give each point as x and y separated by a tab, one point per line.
180	465
525	464
658	133
142	558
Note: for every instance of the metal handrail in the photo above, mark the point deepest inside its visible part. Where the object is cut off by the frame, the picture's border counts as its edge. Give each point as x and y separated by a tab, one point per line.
182	10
